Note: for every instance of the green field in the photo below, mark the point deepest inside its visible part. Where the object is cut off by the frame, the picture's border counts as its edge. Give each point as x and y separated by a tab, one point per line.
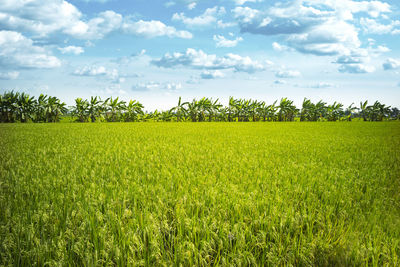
200	194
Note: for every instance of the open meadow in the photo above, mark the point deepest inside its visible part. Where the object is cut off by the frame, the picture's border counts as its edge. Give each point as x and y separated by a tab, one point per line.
150	194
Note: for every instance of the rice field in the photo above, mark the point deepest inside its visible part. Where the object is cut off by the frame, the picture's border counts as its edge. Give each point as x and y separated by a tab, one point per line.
200	194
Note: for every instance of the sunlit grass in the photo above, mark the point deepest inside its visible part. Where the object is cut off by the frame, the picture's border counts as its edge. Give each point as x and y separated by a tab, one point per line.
200	194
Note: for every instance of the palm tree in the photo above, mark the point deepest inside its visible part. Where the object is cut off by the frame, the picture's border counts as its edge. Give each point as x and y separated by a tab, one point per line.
179	109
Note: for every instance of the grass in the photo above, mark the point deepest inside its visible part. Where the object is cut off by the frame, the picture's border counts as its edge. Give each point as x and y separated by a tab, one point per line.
200	194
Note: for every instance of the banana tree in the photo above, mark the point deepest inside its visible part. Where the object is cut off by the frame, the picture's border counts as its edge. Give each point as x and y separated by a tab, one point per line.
192	110
231	108
81	109
271	111
25	107
395	114
54	108
334	111
349	112
94	108
379	111
115	107
287	111
133	109
179	109
364	110
40	109
252	109
306	110
214	109
9	105
267	112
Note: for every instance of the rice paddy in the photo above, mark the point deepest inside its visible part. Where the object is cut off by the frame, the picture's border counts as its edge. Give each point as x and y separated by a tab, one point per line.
246	194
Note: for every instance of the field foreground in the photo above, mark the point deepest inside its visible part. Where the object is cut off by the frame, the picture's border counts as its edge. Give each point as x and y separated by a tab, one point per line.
200	194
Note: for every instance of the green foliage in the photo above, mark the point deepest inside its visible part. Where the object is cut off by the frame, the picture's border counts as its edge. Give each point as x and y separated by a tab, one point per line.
163	194
21	107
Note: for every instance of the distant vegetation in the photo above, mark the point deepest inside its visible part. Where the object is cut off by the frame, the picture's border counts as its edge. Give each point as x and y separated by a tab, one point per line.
20	107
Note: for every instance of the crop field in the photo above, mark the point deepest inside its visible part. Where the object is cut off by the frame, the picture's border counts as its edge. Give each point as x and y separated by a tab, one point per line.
245	194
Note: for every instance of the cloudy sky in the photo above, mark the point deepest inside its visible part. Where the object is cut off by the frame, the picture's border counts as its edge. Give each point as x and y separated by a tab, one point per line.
156	51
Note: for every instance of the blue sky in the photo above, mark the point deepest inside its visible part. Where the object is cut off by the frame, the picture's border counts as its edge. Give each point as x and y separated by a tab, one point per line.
155	51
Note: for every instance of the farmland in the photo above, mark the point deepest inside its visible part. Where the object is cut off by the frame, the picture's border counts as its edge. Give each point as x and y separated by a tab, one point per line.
200	193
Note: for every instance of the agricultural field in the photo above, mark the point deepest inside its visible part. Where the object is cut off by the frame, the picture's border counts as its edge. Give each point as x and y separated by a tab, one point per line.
246	194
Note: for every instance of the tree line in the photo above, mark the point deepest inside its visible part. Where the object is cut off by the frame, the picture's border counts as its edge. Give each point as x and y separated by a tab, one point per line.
20	107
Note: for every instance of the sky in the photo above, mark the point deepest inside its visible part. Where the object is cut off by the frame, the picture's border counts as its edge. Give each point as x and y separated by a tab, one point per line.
155	51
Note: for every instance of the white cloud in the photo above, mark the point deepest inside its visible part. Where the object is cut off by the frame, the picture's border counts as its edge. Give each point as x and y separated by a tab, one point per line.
330	38
172	86
91	71
356	68
207	18
152	86
242	2
320	27
208	75
349	60
76	50
43	17
17	51
191	6
169	4
100	71
279	47
287	74
245	15
200	60
280	82
391	64
221	41
154	28
223	25
98	1
109	21
110	90
147	86
11	75
374	27
98	27
38	16
323	85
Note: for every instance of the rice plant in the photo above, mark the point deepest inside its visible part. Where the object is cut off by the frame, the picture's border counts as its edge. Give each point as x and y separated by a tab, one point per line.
150	194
